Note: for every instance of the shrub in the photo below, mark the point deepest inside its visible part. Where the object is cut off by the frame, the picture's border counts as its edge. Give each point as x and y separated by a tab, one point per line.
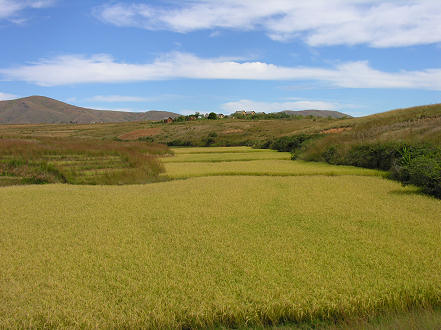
418	164
212	115
377	156
288	143
423	171
179	143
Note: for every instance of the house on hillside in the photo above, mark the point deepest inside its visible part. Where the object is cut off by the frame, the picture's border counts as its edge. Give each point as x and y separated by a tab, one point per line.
244	113
168	120
220	116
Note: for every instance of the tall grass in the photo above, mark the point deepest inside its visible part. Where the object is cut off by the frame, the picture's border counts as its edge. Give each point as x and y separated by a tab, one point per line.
48	160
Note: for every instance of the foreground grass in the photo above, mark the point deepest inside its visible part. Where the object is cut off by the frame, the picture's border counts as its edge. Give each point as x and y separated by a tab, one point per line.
236	251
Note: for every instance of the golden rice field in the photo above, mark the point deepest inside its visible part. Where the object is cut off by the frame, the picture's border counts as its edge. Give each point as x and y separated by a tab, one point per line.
262	167
215	251
256	162
223	251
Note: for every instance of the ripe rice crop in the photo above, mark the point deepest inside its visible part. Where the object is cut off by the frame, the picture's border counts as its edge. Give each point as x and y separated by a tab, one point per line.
261	167
216	251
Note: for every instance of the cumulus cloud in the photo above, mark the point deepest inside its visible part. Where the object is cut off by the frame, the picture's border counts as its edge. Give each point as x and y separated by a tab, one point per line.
75	69
378	23
10	9
6	96
249	105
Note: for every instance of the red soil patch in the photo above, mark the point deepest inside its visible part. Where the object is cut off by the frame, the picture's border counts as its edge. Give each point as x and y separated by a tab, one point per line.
136	134
336	130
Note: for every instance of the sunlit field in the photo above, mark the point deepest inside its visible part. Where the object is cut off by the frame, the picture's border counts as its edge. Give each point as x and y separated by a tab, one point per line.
228	161
232	251
251	238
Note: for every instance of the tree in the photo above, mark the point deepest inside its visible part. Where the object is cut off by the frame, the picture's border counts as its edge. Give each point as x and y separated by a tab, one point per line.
212	115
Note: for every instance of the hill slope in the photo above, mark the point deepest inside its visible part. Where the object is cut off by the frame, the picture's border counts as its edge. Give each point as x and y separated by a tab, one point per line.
40	109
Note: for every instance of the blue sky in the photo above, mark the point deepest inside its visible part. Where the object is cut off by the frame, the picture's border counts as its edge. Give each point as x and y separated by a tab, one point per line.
355	56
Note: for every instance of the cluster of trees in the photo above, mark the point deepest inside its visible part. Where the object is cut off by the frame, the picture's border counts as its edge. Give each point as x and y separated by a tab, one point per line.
262	115
199	116
240	115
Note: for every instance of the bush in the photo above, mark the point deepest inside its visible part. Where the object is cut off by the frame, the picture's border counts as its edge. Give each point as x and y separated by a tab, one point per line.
377	156
212	115
179	143
423	171
418	164
288	143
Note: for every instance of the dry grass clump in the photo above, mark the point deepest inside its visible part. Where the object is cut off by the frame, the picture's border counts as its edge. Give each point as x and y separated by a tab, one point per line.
216	251
227	156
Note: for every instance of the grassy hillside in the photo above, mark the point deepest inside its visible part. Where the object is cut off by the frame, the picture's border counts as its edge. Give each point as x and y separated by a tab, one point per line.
227	131
413	124
40	109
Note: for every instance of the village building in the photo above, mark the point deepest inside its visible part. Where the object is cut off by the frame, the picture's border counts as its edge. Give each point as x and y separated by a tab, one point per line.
168	120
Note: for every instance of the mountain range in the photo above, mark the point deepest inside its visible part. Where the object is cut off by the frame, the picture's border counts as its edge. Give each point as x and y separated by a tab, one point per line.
44	110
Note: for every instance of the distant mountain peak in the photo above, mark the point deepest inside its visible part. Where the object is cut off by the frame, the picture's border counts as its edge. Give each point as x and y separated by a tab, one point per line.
38	109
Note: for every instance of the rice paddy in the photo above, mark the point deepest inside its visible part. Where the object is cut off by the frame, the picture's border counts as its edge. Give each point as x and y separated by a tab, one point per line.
322	244
258	162
231	251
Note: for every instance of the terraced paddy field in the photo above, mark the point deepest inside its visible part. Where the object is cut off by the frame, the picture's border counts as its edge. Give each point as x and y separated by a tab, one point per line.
248	161
222	251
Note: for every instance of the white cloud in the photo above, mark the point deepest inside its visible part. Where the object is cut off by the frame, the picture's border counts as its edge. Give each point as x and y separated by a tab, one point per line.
378	23
72	69
249	105
6	96
109	108
10	9
117	98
